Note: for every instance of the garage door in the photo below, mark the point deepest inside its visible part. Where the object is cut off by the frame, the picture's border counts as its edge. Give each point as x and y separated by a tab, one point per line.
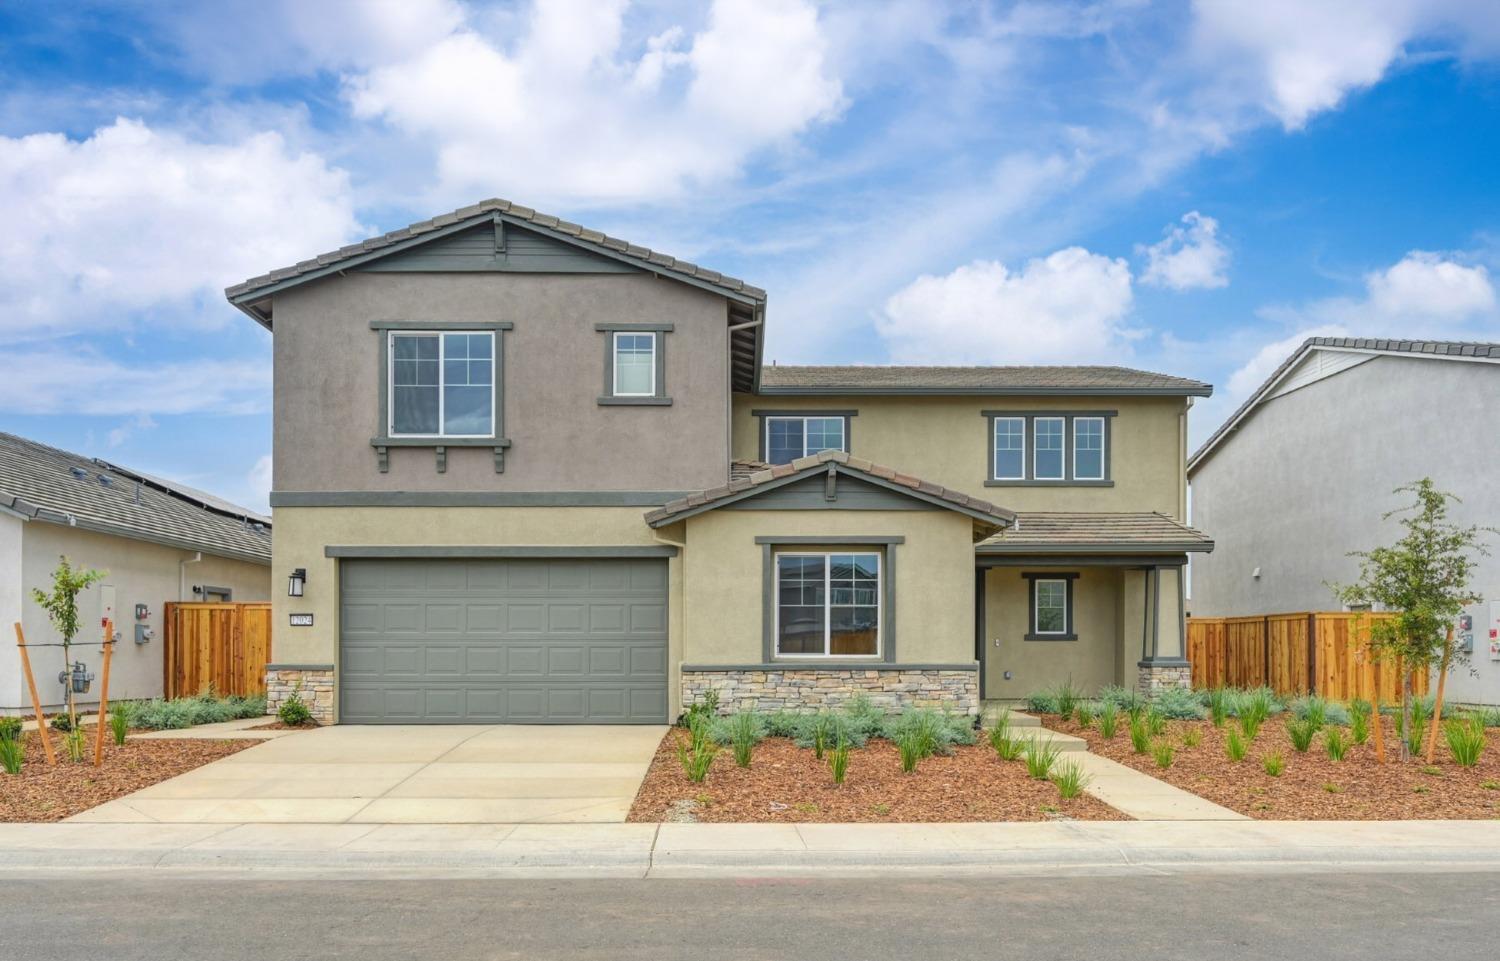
525	641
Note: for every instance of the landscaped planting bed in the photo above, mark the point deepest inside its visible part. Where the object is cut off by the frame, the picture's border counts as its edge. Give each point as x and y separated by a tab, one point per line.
1311	785
786	781
51	793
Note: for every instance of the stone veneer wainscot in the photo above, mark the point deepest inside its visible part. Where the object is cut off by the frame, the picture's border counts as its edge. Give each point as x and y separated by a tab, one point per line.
811	689
316	688
1158	677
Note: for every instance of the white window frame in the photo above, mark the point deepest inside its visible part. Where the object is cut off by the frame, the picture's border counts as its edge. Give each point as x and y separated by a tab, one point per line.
1062	450
390	387
828	606
614	360
995	449
804	418
1036	607
1103	448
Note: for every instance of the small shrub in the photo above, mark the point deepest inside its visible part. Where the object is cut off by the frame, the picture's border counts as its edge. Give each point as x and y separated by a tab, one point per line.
1070	779
1178	703
1431	769
1218	706
822	727
1163	752
1156	722
12	755
1274	763
1415	732
1041	754
1109	719
1043	701
1084	714
10	728
1007	747
1332	788
838	762
1068	697
1359	722
293	711
77	744
745	731
912	749
1465	737
1336	743
1250	725
1236	745
1490	785
1192	737
1319	710
696	751
62	723
1301	733
1126	699
119	725
1140	734
708	707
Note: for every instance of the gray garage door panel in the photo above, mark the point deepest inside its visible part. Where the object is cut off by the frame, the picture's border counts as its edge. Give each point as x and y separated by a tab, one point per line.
538	641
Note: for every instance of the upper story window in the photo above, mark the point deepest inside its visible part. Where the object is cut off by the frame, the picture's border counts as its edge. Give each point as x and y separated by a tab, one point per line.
635	364
442	384
1040	448
788	438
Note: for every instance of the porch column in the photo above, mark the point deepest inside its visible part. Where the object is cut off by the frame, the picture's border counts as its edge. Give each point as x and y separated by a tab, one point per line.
1163	660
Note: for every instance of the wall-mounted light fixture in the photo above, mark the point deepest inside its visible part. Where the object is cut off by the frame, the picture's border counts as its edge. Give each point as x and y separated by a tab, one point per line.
296	582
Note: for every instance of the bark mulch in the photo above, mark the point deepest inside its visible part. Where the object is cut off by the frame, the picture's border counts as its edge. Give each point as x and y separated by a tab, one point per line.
787	784
1314	787
43	793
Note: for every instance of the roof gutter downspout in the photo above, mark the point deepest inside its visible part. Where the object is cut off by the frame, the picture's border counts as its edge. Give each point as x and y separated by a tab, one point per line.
182	573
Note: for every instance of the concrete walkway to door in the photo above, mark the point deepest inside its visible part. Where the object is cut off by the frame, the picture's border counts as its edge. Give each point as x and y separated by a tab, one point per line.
425	774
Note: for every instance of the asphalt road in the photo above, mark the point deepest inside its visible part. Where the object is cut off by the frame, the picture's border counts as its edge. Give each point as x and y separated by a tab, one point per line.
1327	917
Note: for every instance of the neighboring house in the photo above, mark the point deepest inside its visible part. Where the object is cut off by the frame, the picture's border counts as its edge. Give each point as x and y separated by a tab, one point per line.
158	541
1300	475
536	474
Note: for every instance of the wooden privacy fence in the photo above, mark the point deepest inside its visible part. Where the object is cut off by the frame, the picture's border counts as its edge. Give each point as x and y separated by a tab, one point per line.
221	646
1315	652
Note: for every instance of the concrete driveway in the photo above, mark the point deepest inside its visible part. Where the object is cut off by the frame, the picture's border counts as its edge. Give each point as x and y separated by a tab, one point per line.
467	774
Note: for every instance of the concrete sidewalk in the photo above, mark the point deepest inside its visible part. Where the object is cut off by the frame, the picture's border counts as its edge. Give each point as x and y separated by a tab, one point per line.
1057	848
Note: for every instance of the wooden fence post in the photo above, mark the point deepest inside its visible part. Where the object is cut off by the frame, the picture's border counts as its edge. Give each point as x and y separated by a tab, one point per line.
109	646
36	702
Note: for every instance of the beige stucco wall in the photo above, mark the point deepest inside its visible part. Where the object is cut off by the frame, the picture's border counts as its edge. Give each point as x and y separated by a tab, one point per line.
1090	662
302	533
945	440
724	583
141	573
327	384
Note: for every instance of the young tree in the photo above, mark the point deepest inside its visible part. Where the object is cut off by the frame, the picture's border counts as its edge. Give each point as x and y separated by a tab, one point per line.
62	610
1424	579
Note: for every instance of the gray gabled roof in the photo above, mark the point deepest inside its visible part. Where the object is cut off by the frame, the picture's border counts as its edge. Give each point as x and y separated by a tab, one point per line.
778	379
749	484
46	484
1437	349
465	217
1036	532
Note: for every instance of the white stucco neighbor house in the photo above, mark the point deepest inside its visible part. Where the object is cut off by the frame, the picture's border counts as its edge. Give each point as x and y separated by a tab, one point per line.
159	542
1301	474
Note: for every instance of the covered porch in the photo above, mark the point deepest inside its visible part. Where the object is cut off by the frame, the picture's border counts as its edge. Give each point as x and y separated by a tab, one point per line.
1091	599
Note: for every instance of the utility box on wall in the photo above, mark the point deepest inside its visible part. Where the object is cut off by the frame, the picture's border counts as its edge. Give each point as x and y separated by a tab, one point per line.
1494	631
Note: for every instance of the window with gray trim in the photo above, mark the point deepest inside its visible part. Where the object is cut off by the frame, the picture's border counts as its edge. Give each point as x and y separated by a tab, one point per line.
442	384
1041	448
1049	607
788	438
828	604
635	364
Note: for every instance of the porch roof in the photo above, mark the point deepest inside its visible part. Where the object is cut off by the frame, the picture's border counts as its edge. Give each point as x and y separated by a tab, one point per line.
1081	533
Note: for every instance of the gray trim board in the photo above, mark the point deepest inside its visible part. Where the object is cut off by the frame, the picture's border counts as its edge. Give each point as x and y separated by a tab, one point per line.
1049	483
836	539
439	442
1104	547
988	391
438	325
887	632
828	665
473	498
299	667
635	328
389	550
827	493
606	401
772	412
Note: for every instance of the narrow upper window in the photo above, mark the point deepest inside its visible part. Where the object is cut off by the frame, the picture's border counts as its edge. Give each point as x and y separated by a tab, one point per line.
634	364
1088	448
442	384
1047	455
788	438
1050	607
1010	448
828	605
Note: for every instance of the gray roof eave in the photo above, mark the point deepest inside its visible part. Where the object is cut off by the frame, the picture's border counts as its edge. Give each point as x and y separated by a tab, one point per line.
1203	391
62	519
1099	547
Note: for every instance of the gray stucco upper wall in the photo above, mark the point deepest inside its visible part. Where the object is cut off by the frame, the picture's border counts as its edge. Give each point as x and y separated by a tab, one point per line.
1304	480
327	390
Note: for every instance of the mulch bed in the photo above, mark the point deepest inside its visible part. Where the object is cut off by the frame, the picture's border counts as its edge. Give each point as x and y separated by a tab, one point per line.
1314	787
787	784
279	726
43	793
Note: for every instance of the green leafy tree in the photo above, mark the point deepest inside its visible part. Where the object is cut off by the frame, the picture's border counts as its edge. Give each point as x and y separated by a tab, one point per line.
1424	579
61	606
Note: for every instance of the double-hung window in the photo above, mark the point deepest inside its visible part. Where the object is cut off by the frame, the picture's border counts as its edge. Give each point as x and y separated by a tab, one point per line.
442	384
828	605
788	438
1047	448
1010	448
634	364
1088	448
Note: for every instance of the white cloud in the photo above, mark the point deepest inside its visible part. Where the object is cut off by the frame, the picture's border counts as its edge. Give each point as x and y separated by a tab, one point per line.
1066	308
1425	286
53	380
134	218
1189	256
569	113
119	435
259	484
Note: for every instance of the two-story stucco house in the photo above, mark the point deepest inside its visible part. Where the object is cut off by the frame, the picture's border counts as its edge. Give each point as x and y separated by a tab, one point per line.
531	473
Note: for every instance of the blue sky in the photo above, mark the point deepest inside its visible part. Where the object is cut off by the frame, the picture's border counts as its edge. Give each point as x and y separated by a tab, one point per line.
1189	187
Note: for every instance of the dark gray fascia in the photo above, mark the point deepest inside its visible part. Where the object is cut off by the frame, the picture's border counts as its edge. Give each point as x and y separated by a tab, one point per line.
473	498
499	551
828	665
990	391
